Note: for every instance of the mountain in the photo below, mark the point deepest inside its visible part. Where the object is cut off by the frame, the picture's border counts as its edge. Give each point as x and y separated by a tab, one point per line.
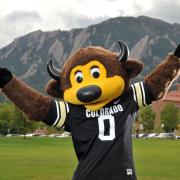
149	40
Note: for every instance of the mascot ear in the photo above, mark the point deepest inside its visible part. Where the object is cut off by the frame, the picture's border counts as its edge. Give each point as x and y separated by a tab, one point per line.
132	67
53	89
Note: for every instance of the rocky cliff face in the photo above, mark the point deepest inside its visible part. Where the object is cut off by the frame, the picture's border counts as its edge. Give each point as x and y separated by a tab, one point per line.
149	40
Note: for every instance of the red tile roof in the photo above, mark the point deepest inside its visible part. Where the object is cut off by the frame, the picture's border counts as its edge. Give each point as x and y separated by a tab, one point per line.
173	95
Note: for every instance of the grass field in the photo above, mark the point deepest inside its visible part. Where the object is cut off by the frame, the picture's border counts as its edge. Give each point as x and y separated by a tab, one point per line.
54	159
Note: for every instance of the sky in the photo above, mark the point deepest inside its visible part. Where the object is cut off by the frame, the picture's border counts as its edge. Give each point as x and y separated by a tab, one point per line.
19	17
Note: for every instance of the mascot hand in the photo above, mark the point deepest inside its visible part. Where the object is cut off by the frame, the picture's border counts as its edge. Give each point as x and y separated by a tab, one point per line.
5	77
177	51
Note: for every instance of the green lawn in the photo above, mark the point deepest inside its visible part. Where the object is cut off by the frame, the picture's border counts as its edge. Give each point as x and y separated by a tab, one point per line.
54	159
157	159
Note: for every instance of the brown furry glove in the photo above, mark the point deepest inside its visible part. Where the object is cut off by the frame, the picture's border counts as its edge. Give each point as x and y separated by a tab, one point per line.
177	51
5	77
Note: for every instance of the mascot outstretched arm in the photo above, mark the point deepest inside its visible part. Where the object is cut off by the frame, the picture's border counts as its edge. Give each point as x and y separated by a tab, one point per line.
98	105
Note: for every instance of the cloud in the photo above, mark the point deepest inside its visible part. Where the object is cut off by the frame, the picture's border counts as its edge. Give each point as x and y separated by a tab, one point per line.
20	17
17	16
15	24
167	10
72	20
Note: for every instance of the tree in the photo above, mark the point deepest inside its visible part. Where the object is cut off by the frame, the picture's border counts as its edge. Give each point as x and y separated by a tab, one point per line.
13	121
170	117
19	123
147	118
5	118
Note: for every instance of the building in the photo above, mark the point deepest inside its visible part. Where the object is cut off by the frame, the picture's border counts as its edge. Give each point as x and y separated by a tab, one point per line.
158	106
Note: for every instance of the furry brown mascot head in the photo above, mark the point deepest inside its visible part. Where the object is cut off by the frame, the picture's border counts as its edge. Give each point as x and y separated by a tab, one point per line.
93	76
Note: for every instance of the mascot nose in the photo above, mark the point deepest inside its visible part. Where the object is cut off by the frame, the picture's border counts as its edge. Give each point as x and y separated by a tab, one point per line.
89	93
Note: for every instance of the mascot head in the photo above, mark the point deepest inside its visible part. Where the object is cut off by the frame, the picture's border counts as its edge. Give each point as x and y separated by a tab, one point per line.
93	76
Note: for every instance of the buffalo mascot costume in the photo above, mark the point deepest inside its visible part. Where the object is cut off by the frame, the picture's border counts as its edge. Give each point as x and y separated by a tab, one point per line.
97	104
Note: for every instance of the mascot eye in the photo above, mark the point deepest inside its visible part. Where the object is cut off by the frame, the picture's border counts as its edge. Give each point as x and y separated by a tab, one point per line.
95	72
79	76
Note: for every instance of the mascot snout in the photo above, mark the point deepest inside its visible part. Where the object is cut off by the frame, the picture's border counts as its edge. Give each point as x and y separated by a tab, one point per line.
89	93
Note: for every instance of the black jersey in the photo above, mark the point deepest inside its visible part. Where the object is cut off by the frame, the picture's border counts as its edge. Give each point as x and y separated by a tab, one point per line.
102	138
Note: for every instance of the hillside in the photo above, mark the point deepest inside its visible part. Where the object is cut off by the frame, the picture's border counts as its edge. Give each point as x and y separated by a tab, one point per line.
149	40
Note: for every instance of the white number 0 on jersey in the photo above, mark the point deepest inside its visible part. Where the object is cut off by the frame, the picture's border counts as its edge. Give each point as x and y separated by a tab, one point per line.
101	123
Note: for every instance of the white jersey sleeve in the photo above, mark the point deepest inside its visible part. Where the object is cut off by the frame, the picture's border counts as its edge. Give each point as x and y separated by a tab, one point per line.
57	114
141	94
